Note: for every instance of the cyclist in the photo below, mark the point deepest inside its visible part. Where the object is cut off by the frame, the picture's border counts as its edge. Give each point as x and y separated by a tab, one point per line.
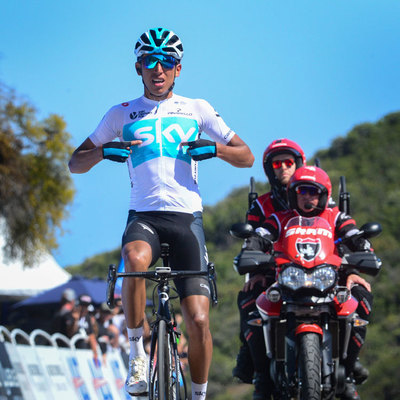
309	191
163	134
281	158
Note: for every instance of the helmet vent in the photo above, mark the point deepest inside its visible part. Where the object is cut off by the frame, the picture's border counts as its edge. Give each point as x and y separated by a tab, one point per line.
157	40
144	39
148	48
172	40
165	35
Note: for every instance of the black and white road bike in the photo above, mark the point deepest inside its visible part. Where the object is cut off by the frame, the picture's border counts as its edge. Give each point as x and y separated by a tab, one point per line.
166	378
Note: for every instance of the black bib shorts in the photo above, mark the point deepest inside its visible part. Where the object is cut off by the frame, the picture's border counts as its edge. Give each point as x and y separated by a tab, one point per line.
185	235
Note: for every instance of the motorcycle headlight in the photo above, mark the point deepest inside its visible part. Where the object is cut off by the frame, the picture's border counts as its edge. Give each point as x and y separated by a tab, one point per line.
296	278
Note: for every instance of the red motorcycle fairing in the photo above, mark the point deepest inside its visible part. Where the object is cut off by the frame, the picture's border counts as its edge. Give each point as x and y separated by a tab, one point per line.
267	306
347	308
308	242
302	328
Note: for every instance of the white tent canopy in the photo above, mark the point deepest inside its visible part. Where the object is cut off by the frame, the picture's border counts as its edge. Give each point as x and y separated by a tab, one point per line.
19	282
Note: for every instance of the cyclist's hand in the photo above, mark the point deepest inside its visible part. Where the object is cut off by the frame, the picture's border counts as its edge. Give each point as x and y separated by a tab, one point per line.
201	149
118	151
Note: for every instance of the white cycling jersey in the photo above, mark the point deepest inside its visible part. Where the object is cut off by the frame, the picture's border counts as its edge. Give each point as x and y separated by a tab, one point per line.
163	176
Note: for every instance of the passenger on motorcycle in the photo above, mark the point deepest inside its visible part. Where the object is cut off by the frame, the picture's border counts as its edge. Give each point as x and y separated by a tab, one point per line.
309	191
280	160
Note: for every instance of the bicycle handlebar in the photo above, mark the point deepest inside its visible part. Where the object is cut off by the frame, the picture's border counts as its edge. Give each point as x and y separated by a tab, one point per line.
160	273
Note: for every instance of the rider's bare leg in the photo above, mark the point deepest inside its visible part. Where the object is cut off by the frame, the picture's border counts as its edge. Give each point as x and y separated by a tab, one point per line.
195	311
137	257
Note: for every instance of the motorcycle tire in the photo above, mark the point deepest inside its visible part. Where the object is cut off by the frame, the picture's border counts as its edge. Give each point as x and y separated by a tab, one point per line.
310	366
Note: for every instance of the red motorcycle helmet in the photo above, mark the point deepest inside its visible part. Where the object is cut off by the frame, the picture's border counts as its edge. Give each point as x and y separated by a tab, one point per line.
281	146
311	176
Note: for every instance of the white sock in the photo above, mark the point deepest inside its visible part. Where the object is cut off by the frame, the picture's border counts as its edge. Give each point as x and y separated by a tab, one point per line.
199	391
135	337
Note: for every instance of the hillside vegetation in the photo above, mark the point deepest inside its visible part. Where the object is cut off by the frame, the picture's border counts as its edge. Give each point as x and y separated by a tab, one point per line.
369	157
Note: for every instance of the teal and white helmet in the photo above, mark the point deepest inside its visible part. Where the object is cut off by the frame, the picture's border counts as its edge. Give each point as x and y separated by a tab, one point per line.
160	41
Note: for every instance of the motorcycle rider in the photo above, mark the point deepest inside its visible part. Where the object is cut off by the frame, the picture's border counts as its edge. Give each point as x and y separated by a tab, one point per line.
309	191
281	158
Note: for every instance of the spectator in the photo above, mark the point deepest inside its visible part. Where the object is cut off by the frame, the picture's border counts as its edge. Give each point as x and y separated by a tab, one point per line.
106	332
118	320
63	320
83	323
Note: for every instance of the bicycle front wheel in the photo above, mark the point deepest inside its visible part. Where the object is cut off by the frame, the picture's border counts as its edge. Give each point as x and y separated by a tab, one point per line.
165	374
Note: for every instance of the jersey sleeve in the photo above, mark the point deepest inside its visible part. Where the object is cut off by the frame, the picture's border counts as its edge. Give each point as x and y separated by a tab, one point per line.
344	225
255	217
260	209
273	226
212	124
109	127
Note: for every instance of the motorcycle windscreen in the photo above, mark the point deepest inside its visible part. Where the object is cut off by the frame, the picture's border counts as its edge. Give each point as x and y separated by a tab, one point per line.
310	242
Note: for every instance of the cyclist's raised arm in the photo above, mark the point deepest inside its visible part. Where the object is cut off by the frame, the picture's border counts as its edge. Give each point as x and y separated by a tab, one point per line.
85	157
236	152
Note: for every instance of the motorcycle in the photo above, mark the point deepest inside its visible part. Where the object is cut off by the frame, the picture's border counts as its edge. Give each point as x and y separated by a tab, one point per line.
306	315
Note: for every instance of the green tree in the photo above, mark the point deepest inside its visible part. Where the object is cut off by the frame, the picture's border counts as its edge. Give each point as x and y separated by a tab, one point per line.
35	185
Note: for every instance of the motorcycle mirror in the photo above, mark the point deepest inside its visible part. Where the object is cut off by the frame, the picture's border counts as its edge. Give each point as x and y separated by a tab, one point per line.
371	229
241	230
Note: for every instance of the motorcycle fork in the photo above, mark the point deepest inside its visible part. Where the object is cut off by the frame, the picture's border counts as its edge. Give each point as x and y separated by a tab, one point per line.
291	350
327	367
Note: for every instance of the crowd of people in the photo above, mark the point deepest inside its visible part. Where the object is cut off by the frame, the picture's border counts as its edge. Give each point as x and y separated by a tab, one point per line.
102	329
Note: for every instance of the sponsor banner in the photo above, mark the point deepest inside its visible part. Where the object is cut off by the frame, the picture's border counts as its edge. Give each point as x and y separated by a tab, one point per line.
82	384
60	378
38	379
93	375
10	387
115	372
38	372
20	370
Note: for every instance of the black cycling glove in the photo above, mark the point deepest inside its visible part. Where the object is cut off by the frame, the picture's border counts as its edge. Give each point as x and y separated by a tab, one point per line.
202	149
116	151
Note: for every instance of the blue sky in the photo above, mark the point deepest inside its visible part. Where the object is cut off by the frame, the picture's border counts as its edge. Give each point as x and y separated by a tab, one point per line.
309	70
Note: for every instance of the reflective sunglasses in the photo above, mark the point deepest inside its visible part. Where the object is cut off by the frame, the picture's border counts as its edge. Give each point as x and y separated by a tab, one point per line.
278	163
150	61
311	190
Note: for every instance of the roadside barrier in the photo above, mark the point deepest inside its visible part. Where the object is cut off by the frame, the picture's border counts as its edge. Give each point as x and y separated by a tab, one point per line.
40	366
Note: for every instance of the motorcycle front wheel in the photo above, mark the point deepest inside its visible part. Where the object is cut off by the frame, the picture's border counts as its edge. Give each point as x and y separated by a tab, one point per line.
310	366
